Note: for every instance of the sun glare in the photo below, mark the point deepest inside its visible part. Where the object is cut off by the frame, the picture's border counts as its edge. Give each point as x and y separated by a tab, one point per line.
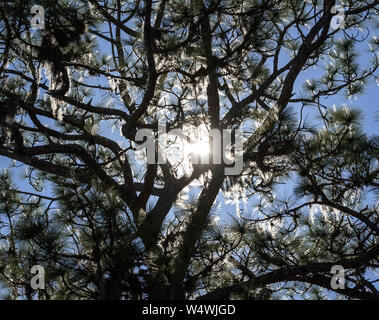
199	147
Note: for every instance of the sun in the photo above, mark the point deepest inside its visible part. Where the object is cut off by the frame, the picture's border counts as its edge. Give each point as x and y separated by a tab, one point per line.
183	151
200	147
199	144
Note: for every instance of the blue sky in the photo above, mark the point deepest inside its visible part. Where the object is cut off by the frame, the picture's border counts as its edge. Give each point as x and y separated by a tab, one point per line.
368	102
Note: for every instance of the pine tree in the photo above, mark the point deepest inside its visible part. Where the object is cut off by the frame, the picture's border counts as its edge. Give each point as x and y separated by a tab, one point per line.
107	224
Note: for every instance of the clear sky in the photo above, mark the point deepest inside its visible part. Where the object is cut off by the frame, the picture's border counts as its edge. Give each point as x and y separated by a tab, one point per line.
368	102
